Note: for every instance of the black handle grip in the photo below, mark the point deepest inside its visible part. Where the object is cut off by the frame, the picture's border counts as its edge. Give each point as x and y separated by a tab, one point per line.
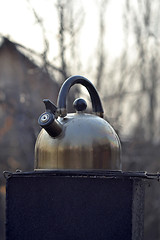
96	102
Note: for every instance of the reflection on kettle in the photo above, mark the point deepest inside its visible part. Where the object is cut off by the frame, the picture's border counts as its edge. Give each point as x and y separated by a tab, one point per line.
78	140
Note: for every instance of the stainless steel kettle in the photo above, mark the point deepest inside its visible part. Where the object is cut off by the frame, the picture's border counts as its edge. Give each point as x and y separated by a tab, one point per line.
78	140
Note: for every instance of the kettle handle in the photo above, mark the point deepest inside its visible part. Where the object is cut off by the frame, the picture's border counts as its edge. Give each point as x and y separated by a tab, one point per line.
96	102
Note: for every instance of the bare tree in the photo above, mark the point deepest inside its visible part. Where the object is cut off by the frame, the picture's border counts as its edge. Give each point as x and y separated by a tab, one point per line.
141	17
62	47
101	55
69	25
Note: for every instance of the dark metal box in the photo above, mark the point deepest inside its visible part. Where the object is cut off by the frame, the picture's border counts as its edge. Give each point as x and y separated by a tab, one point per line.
74	205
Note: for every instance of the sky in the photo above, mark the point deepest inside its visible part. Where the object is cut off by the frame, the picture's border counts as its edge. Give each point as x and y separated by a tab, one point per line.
18	23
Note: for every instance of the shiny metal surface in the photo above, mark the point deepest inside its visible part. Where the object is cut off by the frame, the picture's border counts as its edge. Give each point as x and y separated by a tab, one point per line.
76	141
86	142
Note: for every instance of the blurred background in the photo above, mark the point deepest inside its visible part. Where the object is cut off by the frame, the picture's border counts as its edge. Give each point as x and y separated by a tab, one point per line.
116	45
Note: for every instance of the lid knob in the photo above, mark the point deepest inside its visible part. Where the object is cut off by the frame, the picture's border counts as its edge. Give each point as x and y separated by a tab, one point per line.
80	104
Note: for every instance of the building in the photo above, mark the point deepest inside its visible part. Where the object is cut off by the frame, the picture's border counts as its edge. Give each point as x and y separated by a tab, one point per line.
23	86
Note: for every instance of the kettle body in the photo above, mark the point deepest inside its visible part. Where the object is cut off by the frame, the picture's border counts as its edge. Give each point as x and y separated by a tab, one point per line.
78	140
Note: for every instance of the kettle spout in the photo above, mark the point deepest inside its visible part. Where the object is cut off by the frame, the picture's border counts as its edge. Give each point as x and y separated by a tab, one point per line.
48	120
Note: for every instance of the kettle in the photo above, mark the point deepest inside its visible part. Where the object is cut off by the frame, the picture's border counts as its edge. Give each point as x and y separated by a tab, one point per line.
76	140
